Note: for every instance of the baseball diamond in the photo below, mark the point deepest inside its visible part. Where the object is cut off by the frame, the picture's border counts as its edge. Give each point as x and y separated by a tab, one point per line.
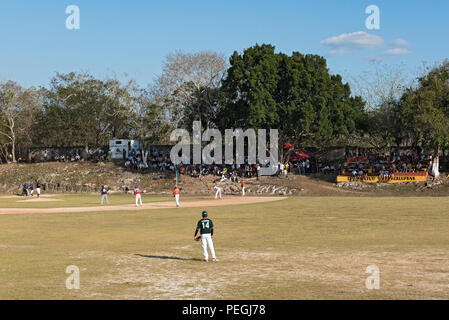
239	156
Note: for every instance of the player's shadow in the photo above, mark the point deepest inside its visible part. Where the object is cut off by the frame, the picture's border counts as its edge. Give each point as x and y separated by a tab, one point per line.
167	257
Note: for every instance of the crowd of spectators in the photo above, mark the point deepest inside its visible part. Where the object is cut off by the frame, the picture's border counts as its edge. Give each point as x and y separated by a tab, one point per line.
68	155
385	165
159	161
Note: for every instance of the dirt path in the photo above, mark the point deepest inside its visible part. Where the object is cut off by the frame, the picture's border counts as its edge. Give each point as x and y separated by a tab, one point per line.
206	202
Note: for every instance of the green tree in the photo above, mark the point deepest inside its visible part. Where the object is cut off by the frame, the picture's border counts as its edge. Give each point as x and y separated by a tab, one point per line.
17	109
81	110
425	111
295	94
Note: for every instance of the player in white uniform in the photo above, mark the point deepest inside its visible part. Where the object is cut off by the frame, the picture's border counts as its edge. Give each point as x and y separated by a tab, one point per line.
38	189
104	195
206	228
138	196
217	191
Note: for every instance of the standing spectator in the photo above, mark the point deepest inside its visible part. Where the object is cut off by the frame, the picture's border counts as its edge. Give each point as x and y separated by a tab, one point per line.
303	167
281	168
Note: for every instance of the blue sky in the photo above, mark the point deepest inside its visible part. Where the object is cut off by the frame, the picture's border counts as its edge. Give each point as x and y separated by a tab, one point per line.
133	37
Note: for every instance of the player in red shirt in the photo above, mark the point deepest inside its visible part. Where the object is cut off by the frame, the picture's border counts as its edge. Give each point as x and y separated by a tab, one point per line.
138	196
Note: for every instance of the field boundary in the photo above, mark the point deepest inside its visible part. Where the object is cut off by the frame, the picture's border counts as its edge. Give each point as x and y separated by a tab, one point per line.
190	203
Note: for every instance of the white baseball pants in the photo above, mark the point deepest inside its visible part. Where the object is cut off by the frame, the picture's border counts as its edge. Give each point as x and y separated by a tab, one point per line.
104	197
177	199
243	191
218	193
138	199
206	240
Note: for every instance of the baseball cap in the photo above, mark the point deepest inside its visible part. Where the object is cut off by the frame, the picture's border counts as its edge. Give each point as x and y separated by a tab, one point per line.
204	213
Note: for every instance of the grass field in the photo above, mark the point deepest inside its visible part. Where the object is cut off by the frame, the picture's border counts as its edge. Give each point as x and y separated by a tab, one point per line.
299	248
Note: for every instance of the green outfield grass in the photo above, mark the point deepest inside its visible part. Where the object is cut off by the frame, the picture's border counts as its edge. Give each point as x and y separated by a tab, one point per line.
299	248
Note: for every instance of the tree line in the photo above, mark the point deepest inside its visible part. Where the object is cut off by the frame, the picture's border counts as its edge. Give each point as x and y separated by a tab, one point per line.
256	88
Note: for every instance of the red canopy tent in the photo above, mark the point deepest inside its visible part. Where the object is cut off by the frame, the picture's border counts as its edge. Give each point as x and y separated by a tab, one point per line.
287	146
298	154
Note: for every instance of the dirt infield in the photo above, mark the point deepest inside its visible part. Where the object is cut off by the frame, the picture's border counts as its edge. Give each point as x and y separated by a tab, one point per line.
206	202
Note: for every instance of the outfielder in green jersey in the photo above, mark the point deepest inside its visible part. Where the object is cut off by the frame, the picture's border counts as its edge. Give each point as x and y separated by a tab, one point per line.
206	228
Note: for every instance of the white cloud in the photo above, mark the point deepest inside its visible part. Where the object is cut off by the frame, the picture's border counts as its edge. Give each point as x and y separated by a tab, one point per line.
399	42
347	42
338	51
397	52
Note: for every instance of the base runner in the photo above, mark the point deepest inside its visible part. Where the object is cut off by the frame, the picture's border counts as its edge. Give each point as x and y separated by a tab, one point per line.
138	196
206	228
176	194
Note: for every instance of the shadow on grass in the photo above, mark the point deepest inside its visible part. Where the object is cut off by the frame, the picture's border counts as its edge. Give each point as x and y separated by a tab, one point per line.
167	257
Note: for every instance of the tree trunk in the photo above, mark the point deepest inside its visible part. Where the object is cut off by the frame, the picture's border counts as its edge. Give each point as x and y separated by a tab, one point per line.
436	163
13	150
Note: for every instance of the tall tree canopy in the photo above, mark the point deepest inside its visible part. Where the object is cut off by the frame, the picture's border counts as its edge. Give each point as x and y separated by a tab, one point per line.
18	107
295	94
187	87
81	110
425	110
